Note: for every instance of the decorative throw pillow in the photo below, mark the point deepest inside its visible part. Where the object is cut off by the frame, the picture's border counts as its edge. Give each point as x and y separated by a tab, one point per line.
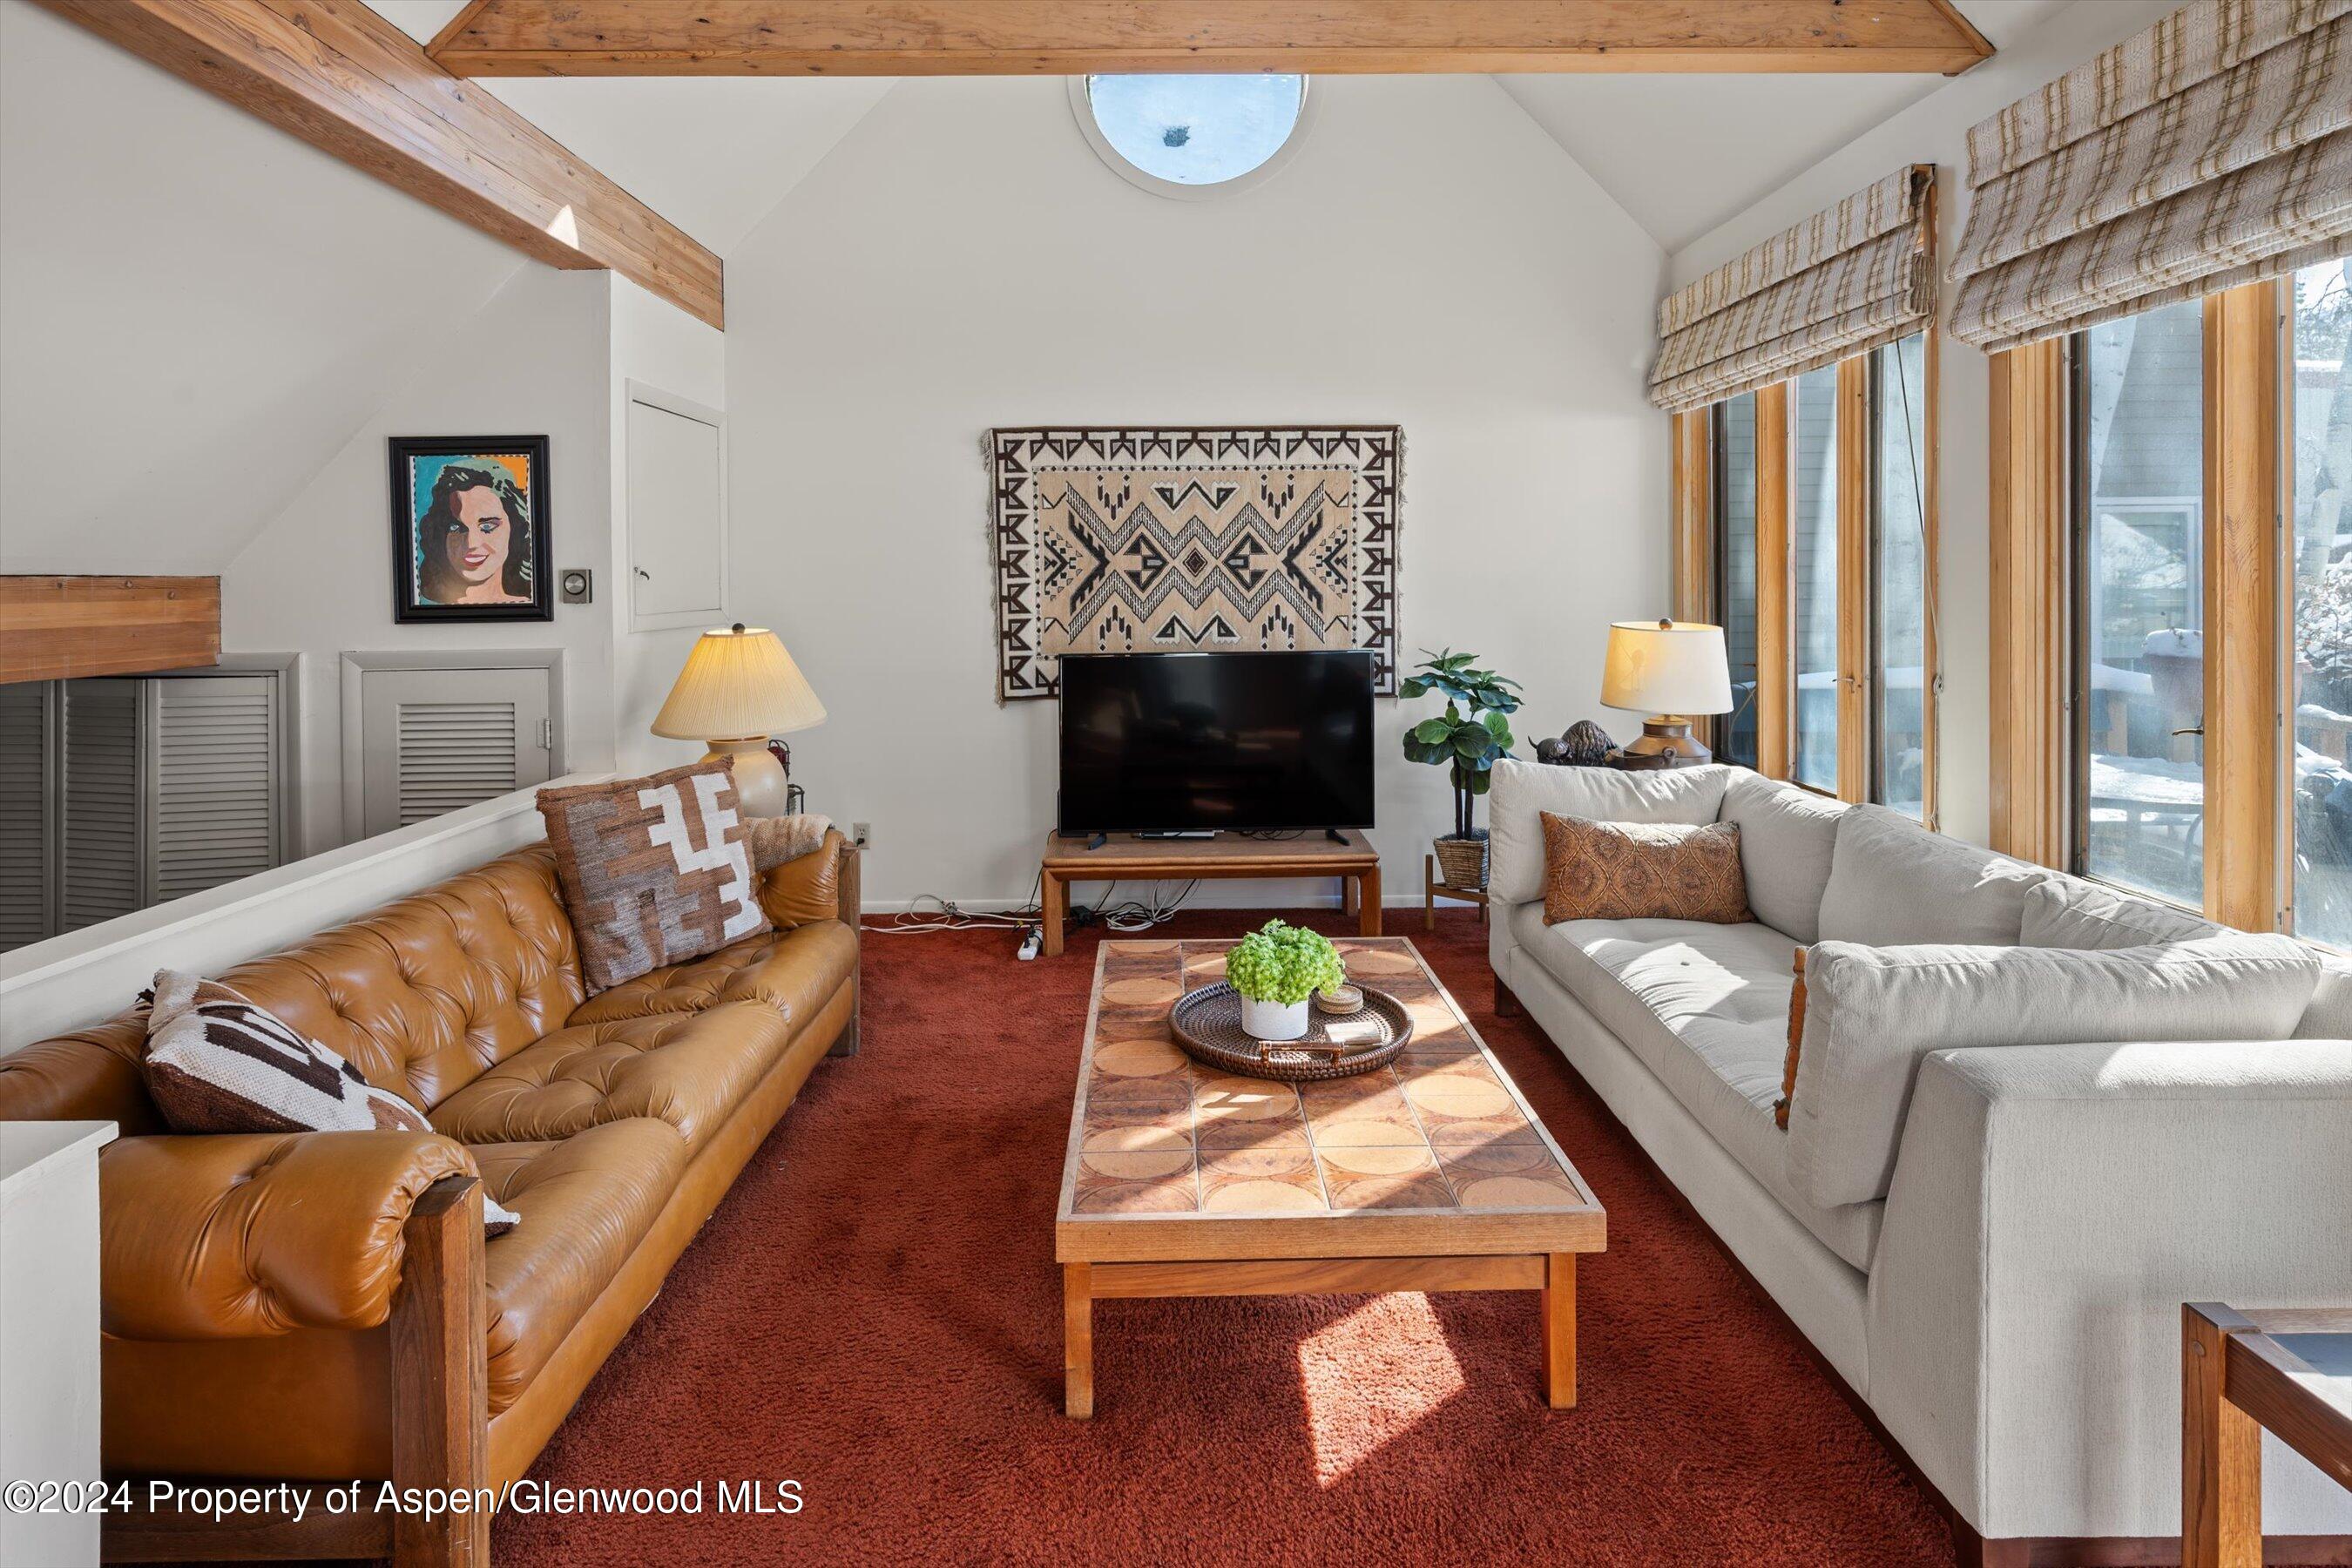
1796	1047
1642	870
654	870
216	1062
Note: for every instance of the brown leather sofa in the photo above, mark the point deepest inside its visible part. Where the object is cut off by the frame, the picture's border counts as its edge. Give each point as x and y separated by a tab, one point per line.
322	1307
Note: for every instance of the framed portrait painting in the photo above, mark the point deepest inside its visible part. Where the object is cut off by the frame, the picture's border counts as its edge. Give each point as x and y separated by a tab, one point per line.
470	529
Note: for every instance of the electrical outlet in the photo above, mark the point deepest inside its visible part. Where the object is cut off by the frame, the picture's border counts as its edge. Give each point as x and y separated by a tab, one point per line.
861	834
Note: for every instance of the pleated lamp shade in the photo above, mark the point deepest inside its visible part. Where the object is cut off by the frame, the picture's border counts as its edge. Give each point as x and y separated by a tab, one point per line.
737	684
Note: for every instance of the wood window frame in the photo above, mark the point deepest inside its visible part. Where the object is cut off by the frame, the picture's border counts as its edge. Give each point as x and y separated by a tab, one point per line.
1697	551
2035	520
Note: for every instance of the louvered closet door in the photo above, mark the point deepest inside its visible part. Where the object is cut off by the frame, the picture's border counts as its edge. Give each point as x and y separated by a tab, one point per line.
25	861
103	845
434	740
215	761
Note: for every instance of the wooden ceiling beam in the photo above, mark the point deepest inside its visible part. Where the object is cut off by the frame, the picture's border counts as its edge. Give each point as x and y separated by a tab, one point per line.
66	628
1069	37
343	78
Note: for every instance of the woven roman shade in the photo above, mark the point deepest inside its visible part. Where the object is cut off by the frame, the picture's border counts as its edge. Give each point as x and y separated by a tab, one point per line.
2214	149
1843	281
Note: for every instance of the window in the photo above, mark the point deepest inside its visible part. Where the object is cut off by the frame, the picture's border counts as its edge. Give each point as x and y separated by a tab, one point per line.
1185	135
1813	578
1735	570
1900	605
2138	601
2319	414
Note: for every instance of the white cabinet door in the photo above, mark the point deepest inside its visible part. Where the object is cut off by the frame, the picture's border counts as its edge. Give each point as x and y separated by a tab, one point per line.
676	519
434	740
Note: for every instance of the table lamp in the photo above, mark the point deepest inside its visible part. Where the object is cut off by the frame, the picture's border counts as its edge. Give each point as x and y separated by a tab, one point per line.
1670	670
740	686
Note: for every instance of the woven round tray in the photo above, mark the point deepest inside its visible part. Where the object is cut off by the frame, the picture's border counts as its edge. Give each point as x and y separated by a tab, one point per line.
1207	1023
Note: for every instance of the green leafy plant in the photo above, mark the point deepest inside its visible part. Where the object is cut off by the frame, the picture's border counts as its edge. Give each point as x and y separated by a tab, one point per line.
1285	963
1471	733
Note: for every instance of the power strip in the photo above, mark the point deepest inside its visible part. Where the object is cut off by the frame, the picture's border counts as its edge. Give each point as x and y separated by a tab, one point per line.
1031	938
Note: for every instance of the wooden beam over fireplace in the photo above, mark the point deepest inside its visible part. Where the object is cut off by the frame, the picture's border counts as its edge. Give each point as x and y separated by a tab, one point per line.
1068	38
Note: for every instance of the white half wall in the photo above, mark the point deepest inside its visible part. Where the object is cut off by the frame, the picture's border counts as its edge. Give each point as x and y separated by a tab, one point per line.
962	259
1935	130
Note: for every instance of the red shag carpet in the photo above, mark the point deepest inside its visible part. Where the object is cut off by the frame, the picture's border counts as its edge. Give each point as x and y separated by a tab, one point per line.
876	1312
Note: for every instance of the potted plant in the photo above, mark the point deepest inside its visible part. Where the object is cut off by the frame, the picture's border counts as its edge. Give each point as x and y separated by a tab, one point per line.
1275	969
1466	739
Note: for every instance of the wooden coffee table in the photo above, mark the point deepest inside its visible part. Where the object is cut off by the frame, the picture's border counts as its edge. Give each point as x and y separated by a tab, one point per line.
1427	1175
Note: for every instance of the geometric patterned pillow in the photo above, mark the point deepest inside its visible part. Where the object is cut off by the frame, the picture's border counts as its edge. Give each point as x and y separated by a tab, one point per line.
216	1062
653	870
1642	870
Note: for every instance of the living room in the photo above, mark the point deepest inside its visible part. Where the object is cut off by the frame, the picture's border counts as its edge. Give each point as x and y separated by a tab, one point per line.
1605	743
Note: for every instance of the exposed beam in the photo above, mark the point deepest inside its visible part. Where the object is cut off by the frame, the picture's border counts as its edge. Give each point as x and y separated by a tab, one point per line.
343	78
1067	37
64	628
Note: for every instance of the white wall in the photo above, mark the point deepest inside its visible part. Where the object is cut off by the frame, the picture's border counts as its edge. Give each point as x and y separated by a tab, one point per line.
1935	130
316	579
658	345
962	259
195	308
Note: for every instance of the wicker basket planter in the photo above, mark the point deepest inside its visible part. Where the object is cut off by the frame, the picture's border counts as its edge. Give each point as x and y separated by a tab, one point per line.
1463	862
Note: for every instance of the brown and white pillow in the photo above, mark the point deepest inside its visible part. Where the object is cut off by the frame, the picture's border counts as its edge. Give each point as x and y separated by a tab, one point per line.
1642	870
217	1062
654	870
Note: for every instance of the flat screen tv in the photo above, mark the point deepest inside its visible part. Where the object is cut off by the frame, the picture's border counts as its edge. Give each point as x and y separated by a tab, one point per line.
1193	743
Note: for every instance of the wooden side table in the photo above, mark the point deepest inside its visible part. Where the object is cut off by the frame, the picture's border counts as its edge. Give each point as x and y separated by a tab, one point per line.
1434	888
2286	1369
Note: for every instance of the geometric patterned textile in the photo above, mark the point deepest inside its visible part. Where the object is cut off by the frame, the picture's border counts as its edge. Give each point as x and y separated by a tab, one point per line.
216	1062
1642	871
2211	151
1177	541
653	870
1848	279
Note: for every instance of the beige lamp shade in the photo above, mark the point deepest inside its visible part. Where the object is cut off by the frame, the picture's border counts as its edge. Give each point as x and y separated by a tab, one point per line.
737	684
1667	667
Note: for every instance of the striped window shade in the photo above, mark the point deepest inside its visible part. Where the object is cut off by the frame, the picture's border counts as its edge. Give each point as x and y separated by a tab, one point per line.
1845	280
2214	148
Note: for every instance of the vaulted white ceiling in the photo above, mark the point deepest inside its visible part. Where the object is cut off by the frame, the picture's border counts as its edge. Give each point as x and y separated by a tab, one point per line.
1679	153
1683	153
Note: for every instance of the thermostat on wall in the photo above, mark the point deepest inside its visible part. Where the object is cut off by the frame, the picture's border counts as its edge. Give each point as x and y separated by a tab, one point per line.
577	586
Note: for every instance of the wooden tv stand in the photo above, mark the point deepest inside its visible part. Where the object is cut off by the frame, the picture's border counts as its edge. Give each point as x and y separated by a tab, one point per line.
1124	858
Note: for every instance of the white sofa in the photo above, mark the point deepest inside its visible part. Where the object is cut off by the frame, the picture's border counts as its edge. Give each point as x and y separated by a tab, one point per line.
2010	1310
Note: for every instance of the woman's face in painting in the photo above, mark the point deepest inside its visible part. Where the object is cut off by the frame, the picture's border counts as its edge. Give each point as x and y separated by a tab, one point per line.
477	539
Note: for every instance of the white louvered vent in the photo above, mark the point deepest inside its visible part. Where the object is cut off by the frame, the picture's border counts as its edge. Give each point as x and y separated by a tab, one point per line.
217	765
454	753
101	872
24	834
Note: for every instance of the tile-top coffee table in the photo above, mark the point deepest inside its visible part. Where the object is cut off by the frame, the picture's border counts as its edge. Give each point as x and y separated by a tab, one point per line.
1428	1174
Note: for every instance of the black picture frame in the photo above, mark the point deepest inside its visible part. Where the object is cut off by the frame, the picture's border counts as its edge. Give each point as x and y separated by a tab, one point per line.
525	590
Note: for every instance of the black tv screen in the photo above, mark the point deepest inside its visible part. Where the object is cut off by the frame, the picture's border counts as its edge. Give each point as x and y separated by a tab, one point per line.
1175	742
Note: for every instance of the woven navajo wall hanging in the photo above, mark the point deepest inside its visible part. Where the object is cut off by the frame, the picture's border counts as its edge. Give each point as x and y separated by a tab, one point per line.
1177	541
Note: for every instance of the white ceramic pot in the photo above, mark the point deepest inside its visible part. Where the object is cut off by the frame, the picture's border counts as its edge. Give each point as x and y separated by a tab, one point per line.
1273	1020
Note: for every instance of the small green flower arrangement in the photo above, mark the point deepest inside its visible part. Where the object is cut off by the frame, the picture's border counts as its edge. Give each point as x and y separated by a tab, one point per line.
1284	963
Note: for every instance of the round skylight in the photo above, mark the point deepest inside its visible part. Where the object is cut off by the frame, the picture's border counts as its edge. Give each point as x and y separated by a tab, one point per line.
1187	135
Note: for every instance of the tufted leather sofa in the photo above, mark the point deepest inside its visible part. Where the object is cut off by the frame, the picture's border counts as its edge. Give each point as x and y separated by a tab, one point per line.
250	1283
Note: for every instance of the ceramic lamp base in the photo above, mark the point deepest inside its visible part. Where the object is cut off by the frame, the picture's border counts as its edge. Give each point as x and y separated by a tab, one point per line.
761	784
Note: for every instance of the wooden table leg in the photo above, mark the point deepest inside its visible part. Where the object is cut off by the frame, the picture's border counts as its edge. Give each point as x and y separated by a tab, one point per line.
1559	1331
1367	902
1429	892
1077	1340
2220	1449
1350	893
1052	900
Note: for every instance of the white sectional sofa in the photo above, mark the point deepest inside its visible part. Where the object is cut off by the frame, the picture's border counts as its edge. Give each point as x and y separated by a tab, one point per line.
2009	1308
